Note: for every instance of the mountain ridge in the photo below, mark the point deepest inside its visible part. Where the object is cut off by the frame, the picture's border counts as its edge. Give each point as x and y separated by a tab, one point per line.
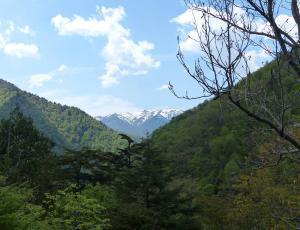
139	124
67	126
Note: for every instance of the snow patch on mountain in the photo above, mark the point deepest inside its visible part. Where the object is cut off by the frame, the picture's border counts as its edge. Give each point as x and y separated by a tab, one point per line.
139	123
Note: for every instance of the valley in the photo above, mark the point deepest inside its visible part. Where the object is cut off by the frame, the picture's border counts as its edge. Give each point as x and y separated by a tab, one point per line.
108	122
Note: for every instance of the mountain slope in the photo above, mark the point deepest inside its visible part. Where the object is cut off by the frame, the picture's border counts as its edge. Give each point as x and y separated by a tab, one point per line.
202	141
66	126
139	124
213	141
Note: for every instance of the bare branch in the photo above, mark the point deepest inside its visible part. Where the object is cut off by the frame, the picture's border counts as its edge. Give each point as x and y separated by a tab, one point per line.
223	69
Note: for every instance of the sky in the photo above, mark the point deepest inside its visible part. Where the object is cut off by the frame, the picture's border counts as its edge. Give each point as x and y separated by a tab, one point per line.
103	56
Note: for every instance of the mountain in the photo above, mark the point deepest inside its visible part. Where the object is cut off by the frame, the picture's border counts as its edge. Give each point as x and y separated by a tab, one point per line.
66	126
139	124
212	141
229	166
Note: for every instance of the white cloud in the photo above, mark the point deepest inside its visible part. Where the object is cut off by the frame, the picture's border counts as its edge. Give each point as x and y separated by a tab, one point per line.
192	19
79	26
163	87
189	21
10	29
257	59
187	18
17	49
62	68
38	80
288	24
26	30
109	79
21	50
123	55
190	45
3	41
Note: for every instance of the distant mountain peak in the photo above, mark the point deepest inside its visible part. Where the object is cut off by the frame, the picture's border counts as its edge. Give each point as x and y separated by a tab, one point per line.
139	123
144	115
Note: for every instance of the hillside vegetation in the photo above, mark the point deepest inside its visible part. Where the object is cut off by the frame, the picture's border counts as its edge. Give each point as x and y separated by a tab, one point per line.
230	167
208	139
212	167
66	126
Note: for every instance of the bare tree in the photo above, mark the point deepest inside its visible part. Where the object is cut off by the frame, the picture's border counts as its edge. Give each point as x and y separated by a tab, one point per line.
224	69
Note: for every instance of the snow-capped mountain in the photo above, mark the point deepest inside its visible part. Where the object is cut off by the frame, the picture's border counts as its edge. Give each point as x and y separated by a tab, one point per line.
139	124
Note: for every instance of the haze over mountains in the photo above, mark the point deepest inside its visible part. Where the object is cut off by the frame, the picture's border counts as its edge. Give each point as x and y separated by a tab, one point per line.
139	124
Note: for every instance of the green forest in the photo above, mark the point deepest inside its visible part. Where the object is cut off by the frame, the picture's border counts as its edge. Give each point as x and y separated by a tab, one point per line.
230	163
202	171
66	126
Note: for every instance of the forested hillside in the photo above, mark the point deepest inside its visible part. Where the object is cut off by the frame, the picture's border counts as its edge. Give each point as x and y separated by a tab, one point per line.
216	136
230	163
212	167
66	126
233	169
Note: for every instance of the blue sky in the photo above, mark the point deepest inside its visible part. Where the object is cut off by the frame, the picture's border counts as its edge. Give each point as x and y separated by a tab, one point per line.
103	56
78	60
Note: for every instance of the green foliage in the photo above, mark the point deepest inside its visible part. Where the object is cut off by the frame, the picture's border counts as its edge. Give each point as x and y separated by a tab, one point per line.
86	166
215	145
16	211
65	210
267	199
24	152
198	172
231	169
103	194
66	126
72	210
145	200
201	142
